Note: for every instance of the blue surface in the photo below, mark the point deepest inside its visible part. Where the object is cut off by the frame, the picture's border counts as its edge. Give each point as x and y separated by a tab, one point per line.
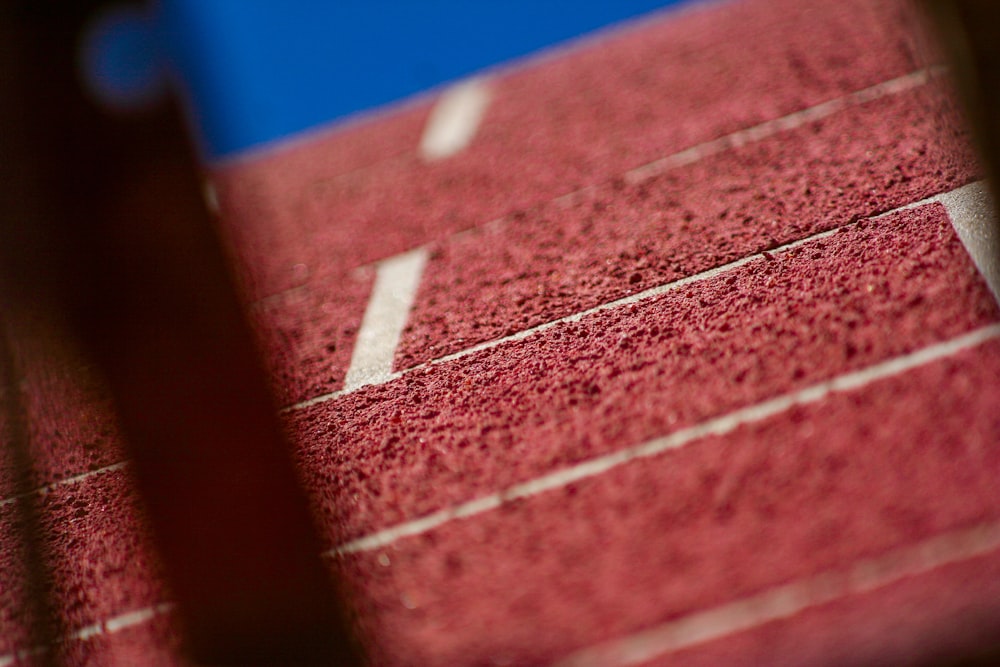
259	70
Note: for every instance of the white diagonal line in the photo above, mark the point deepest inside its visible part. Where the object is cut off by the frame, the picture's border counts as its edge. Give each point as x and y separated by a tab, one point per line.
789	122
372	365
759	132
791	599
973	216
371	361
106	627
618	303
575	317
392	296
966	194
702	626
454	120
75	479
716	426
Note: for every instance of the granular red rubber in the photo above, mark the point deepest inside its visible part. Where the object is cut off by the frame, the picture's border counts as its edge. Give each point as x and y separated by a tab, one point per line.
458	430
621	239
308	333
856	475
101	561
154	643
558	125
12	578
926	619
72	428
806	491
104	563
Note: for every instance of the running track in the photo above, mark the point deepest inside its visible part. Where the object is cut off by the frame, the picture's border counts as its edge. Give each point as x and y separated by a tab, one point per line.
675	352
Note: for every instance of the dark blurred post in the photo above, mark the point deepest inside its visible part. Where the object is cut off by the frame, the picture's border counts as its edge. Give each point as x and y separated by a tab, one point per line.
968	31
104	232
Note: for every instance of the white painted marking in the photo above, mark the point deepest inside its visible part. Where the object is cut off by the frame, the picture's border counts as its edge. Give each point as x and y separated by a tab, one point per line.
700	627
778	603
618	303
138	617
782	124
19	656
963	203
107	627
455	119
757	133
717	426
211	196
791	599
461	110
575	317
76	479
547	54
392	297
973	215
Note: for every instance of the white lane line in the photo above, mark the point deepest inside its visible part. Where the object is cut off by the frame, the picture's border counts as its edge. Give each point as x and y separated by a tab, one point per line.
575	317
766	129
618	303
76	479
455	119
392	297
973	216
791	599
716	426
963	204
106	627
211	196
864	575
772	127
562	478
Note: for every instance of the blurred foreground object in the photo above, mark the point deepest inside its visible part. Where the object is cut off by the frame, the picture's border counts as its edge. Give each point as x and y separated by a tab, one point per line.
969	34
105	236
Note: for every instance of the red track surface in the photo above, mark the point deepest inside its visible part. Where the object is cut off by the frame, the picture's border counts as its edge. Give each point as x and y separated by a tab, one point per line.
620	239
554	127
722	518
472	529
462	429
